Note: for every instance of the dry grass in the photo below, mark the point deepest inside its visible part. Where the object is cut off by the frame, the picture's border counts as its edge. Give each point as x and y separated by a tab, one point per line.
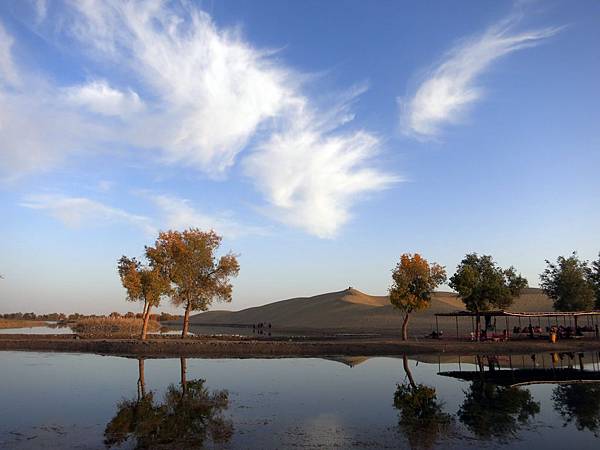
11	323
108	326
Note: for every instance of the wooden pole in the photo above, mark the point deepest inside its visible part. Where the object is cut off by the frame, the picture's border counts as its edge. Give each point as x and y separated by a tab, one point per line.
457	329
437	327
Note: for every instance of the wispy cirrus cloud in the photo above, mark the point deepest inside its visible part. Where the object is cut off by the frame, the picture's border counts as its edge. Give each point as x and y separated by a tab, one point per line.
211	89
8	70
311	173
179	213
448	90
172	212
99	97
80	211
197	95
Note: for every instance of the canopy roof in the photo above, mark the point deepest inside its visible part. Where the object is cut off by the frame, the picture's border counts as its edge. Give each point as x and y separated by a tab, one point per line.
520	314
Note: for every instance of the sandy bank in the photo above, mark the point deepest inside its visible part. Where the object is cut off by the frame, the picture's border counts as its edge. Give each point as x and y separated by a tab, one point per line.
248	348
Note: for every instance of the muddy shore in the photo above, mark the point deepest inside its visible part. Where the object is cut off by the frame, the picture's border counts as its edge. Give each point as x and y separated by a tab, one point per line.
239	347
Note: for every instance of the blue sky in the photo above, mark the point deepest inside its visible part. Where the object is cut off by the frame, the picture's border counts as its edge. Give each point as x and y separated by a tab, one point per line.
322	139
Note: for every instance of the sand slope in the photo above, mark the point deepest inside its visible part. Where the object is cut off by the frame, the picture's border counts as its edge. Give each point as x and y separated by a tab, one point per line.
354	311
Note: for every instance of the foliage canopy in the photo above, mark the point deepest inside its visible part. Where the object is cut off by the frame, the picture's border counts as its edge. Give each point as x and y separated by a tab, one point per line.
570	283
414	280
197	277
482	284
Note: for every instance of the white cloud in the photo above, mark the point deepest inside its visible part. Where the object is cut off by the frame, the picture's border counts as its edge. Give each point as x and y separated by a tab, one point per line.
312	175
37	131
174	213
213	90
97	96
8	70
449	89
199	96
179	214
41	10
78	211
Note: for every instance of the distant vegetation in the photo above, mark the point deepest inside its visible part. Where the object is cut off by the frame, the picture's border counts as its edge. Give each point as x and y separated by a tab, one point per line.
61	317
11	323
114	326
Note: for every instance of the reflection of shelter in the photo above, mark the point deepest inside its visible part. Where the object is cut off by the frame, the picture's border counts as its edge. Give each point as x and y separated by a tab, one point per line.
552	368
529	324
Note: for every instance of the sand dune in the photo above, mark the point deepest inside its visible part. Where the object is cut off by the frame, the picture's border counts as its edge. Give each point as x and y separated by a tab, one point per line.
353	311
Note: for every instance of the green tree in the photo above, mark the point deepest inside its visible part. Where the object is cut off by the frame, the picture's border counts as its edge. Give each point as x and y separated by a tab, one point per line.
143	284
421	416
595	279
490	410
413	282
482	285
197	277
579	403
569	284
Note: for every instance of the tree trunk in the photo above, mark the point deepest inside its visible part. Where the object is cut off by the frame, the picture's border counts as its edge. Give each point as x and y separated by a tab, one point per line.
141	380
411	380
477	326
146	320
186	320
405	328
183	364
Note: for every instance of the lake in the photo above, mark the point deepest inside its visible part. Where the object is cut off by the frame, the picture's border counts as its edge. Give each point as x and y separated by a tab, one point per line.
52	400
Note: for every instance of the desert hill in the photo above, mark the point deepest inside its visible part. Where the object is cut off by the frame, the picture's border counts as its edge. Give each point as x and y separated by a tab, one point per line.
353	311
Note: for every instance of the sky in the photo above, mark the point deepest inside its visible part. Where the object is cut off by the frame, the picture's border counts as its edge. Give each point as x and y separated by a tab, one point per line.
321	139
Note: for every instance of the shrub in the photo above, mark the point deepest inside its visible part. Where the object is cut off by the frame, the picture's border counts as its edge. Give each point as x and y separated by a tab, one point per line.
113	326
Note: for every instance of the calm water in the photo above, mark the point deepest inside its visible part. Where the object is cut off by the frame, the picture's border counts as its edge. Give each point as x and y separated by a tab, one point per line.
86	401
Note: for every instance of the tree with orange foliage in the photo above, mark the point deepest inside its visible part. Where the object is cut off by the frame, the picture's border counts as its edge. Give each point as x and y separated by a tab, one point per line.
196	276
414	280
143	283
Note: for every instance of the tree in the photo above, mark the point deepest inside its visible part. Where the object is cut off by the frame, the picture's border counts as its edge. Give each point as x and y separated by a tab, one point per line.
481	285
569	284
143	284
579	402
595	279
421	418
413	283
196	276
490	410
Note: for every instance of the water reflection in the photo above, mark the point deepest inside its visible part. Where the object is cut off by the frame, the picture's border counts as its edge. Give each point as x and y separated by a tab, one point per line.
579	402
72	401
490	410
497	406
188	416
421	415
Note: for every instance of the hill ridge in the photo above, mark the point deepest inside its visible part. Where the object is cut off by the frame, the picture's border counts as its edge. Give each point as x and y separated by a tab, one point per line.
352	310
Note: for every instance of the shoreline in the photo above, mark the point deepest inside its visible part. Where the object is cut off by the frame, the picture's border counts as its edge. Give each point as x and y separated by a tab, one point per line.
213	347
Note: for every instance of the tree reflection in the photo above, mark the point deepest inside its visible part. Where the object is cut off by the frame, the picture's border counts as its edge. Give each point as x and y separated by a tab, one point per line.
189	415
490	410
580	403
421	416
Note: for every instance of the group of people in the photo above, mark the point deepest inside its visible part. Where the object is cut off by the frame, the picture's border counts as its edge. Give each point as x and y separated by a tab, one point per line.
262	328
484	335
561	332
